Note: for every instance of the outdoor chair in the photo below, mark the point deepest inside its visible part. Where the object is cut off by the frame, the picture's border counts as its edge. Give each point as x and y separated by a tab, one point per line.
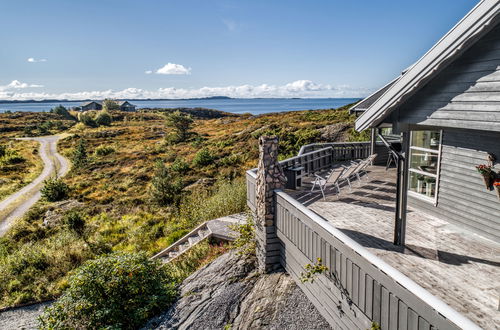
331	179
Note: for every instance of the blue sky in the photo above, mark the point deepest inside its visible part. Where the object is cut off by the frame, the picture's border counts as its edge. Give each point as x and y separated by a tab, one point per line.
111	48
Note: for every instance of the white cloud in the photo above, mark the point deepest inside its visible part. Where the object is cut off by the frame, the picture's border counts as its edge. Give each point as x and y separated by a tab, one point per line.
34	60
230	25
299	88
172	68
16	84
148	72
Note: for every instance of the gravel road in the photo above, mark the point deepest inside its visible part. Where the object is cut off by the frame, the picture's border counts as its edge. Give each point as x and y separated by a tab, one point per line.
19	202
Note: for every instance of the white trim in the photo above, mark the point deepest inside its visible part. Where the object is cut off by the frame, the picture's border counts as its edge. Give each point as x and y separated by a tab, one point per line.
437	152
422	172
434	151
422	196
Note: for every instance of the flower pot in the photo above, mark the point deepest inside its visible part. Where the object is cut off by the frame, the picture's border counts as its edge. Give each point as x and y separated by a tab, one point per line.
497	188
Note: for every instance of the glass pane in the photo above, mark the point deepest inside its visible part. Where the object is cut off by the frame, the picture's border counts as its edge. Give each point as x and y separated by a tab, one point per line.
425	139
423	184
424	161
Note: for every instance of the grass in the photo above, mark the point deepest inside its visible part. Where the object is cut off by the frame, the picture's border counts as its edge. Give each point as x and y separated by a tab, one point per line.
118	213
15	176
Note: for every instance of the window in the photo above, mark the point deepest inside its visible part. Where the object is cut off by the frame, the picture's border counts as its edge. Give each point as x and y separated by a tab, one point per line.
425	147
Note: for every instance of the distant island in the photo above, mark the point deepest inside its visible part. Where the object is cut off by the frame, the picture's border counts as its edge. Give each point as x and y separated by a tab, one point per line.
87	100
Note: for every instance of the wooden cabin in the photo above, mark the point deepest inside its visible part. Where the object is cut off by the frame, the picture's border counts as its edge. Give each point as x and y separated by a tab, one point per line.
447	109
92	105
126	106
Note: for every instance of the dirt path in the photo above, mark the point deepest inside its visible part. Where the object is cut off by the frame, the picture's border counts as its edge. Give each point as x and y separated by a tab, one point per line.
19	202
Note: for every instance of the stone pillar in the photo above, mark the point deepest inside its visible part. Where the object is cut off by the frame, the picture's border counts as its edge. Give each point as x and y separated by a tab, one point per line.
270	176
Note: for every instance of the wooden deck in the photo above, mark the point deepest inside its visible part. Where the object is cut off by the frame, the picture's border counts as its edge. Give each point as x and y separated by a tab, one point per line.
460	268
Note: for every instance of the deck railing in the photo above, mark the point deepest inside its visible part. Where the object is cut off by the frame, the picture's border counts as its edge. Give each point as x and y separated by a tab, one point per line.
359	287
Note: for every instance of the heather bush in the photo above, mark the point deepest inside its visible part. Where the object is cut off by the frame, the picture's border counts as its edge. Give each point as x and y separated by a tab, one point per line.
103	118
116	291
203	158
103	150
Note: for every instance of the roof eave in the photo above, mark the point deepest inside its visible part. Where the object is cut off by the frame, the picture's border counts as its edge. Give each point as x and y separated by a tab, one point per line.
481	18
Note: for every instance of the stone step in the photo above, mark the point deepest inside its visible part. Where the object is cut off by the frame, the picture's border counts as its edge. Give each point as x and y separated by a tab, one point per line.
202	233
184	246
194	239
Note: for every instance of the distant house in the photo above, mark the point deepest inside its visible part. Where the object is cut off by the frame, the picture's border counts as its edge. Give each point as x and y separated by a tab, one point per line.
92	105
126	106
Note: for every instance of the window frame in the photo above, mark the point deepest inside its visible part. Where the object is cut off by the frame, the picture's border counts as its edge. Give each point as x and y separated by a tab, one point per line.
436	152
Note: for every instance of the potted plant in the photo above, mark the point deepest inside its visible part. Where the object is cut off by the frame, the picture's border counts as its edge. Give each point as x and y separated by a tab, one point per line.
420	183
496	184
487	173
430	184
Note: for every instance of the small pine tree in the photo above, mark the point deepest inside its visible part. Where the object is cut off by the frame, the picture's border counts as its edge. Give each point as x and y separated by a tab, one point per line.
110	105
54	190
164	190
180	124
80	155
62	111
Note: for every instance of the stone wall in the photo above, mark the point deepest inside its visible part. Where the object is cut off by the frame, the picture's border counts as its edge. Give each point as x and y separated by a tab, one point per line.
270	177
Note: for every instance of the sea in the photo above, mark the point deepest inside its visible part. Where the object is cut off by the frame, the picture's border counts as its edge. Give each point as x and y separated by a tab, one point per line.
253	106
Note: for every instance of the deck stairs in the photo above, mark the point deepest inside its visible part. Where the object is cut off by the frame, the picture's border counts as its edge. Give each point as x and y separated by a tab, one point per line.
218	229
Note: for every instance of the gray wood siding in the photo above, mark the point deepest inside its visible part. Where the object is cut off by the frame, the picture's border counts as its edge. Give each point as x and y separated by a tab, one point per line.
462	196
466	94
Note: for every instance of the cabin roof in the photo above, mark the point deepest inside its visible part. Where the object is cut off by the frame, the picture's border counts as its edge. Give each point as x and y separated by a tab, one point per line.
480	20
120	103
90	102
365	103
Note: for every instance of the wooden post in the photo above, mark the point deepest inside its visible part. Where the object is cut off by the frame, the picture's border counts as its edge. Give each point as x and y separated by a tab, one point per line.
269	178
373	140
402	193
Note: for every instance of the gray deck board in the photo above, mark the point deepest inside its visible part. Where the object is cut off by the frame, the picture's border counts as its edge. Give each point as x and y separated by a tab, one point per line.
461	268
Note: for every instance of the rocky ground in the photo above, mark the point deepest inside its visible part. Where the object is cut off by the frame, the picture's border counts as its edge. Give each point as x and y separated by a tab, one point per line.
230	294
22	317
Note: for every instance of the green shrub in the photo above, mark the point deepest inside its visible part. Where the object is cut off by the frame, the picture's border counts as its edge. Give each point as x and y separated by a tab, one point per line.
54	190
103	150
75	221
103	118
180	124
86	119
80	158
179	166
203	158
3	150
110	105
164	189
245	242
117	291
62	111
12	157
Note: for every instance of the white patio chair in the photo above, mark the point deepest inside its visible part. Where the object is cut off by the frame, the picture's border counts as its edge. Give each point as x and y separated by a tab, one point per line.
351	171
331	179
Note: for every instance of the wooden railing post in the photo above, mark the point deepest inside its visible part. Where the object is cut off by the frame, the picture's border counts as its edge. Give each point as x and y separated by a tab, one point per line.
270	177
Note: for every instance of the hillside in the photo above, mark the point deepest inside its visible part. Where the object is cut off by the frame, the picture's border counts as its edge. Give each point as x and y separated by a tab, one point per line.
111	193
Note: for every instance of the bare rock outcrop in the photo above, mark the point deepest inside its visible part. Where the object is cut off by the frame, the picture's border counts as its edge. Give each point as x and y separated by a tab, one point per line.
230	294
55	214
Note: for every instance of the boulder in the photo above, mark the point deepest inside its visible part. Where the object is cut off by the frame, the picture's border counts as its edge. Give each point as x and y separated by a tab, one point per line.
53	217
334	132
230	294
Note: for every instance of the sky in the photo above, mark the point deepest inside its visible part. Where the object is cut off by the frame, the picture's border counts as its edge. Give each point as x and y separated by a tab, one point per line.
93	49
